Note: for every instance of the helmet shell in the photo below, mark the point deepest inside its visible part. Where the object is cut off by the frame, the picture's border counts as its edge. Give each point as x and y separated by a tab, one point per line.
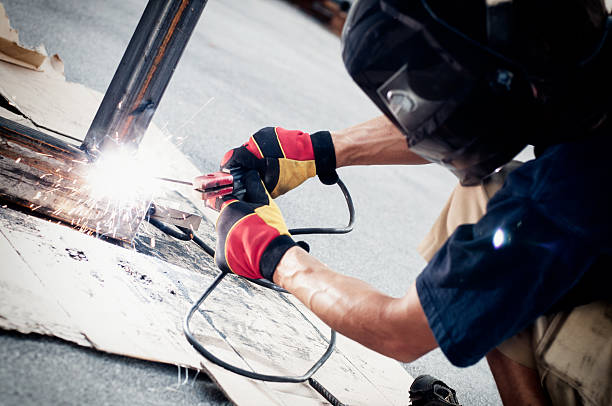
464	104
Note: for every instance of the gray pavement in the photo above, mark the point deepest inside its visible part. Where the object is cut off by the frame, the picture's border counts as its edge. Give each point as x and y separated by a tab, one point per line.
253	63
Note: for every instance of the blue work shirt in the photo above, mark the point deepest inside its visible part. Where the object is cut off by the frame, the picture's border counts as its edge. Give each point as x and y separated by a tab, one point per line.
546	230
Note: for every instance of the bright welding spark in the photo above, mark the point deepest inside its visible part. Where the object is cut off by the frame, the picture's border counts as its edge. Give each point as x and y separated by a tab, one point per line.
120	186
499	238
120	177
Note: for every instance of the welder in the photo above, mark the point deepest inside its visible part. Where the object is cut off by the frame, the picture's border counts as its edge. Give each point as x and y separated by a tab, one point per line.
520	260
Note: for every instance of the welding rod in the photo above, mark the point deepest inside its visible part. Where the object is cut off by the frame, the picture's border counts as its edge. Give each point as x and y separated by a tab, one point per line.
182	182
215	184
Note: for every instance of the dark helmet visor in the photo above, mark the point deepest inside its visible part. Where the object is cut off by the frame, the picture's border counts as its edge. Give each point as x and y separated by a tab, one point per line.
395	58
420	98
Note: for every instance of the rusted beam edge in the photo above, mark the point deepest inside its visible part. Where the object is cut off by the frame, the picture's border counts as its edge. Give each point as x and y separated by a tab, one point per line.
38	140
143	74
43	213
49	178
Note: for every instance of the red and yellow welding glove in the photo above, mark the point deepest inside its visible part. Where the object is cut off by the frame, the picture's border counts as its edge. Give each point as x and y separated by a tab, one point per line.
251	233
285	159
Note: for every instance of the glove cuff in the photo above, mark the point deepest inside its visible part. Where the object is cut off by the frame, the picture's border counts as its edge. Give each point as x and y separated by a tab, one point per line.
273	254
325	157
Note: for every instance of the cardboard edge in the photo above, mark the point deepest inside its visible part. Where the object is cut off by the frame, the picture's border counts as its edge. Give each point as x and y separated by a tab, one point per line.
13	52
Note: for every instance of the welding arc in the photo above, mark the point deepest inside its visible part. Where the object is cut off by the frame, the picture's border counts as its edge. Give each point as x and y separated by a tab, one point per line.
185	234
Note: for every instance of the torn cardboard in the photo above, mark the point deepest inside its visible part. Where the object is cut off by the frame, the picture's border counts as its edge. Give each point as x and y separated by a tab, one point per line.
10	49
48	100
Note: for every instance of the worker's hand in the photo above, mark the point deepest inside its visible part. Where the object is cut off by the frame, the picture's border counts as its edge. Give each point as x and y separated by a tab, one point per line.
251	233
285	159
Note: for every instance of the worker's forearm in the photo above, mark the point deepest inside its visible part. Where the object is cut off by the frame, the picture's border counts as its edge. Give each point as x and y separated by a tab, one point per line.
375	142
391	326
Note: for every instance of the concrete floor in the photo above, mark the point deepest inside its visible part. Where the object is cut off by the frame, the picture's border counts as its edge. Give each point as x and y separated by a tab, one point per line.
253	63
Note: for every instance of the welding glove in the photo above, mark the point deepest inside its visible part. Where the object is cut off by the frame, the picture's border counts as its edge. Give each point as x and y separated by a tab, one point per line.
285	159
252	236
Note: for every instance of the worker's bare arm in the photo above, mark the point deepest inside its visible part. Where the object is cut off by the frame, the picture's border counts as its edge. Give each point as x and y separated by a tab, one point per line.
396	327
374	142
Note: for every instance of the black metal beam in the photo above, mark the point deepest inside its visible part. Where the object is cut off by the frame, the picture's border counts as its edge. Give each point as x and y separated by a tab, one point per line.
45	176
143	74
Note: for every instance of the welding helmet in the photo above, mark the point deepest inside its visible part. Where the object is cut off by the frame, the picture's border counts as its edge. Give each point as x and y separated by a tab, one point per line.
450	76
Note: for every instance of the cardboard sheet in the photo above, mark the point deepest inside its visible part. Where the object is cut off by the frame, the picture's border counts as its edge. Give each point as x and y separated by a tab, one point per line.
60	282
48	100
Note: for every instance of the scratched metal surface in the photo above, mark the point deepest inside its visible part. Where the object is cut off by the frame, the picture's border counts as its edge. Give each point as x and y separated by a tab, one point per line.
254	63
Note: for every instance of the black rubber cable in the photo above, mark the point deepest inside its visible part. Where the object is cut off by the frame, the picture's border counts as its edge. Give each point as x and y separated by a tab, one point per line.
336	230
249	374
172	232
185	234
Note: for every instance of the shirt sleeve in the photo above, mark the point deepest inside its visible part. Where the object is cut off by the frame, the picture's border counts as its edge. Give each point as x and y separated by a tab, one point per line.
492	279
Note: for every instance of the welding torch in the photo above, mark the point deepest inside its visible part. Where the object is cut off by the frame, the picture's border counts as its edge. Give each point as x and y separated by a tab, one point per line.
216	184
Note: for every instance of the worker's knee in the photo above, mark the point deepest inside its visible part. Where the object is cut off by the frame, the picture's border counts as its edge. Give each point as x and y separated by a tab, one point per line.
571	352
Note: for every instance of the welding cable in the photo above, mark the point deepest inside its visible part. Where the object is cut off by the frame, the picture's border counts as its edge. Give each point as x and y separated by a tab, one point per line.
185	234
249	374
336	230
198	241
166	229
314	230
180	233
316	385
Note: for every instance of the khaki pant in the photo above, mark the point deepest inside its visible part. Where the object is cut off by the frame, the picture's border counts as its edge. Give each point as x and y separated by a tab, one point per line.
572	351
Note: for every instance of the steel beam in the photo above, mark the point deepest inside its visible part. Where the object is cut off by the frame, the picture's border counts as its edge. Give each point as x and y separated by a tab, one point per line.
143	74
43	175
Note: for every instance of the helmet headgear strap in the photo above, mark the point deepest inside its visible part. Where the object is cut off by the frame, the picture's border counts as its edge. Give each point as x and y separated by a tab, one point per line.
500	24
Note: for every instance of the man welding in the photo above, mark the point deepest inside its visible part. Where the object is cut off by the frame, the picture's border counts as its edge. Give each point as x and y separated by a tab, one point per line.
523	279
